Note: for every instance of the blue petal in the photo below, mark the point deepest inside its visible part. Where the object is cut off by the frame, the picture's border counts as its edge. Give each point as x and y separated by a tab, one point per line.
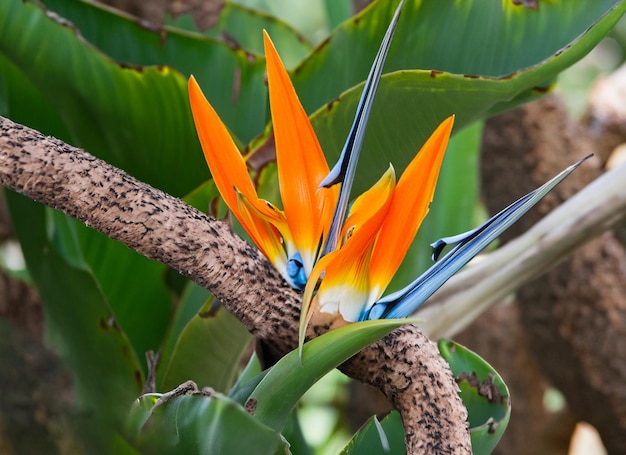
404	302
343	172
295	271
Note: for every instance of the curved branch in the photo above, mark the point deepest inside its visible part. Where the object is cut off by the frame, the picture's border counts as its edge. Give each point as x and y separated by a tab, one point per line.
405	365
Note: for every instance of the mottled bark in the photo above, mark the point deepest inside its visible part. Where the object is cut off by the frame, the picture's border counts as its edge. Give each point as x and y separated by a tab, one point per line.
405	365
574	316
36	396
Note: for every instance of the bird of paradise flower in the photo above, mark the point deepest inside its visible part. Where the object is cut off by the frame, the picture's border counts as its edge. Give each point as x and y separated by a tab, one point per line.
343	263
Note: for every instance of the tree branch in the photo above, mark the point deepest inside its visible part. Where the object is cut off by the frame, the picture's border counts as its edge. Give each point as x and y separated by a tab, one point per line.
405	365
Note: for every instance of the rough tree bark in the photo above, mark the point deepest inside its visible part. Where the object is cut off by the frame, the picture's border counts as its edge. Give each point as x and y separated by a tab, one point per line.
574	316
404	365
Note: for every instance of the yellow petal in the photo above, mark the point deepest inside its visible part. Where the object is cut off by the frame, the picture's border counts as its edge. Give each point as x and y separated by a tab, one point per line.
301	163
308	303
367	202
412	197
344	273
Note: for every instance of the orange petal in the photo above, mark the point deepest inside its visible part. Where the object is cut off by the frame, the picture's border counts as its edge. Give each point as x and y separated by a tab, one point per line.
266	226
412	197
229	170
227	166
301	163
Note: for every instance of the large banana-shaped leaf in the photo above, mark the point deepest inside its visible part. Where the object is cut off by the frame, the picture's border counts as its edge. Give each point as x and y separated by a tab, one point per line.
469	37
411	103
132	116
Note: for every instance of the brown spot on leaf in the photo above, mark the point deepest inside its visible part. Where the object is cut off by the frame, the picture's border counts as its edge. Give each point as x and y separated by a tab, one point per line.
250	405
435	73
486	388
129	66
544	89
329	106
532	4
215	308
230	40
108	323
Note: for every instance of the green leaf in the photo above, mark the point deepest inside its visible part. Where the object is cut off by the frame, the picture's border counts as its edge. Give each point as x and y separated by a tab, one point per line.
192	299
134	288
136	118
368	440
247	380
472	37
81	326
483	392
309	17
244	27
122	447
208	350
286	382
292	432
199	424
19	104
231	78
411	103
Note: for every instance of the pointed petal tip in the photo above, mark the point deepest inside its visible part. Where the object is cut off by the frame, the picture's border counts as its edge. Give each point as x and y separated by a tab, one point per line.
194	89
448	123
267	42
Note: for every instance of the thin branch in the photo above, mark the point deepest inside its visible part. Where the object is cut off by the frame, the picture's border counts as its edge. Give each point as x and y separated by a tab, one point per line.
405	365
